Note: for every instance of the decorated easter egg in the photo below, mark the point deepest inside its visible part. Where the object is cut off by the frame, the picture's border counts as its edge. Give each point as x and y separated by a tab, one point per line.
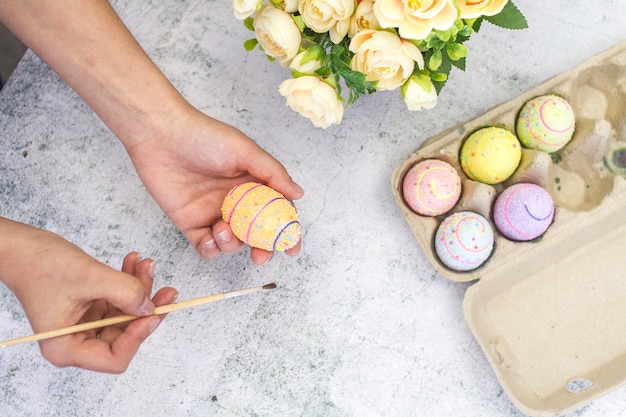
464	241
523	211
431	187
546	123
261	217
490	155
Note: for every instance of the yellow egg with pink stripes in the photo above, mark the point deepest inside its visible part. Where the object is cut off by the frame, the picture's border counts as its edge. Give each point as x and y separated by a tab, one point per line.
262	217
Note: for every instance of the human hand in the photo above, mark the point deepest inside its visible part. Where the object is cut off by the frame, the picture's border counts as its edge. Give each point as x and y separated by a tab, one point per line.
187	160
190	167
59	285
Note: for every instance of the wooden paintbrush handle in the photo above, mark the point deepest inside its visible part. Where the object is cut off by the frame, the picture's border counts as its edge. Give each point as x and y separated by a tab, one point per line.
124	318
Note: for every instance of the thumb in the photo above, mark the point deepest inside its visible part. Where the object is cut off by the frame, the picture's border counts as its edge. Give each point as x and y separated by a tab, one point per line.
274	174
124	291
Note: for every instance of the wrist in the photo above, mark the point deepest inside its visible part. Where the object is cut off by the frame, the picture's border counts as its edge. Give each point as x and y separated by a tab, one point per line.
15	250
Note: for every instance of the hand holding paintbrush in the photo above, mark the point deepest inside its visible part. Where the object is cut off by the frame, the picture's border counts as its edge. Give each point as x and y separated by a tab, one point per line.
59	285
125	318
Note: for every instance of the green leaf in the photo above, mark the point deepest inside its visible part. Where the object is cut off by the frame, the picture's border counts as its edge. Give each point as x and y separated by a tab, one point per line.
456	51
438	76
475	23
443	35
434	62
299	22
464	32
248	22
509	18
459	63
250	44
446	64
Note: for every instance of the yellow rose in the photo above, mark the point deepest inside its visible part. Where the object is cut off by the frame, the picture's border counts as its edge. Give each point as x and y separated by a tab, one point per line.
477	8
313	99
245	8
363	18
384	57
277	33
419	93
415	19
332	16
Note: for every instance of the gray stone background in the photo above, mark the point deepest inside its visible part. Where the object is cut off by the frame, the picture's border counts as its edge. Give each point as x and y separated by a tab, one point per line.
361	324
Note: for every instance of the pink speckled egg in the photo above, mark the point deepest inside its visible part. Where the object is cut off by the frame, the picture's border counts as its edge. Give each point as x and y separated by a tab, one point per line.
261	217
523	211
546	123
431	187
464	241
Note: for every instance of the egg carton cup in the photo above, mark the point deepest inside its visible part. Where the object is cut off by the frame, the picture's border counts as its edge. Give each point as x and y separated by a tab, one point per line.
549	313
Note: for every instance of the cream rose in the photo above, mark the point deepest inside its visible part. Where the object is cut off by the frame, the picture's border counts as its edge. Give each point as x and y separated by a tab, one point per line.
332	16
245	8
363	18
277	33
313	99
382	56
477	8
419	93
290	6
415	19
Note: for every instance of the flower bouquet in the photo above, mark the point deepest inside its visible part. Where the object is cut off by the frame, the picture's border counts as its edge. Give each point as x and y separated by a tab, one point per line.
339	50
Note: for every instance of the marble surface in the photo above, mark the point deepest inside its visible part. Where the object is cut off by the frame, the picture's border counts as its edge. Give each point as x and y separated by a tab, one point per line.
361	324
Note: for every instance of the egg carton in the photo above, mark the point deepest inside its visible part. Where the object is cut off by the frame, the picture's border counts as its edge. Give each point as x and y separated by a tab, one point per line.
549	313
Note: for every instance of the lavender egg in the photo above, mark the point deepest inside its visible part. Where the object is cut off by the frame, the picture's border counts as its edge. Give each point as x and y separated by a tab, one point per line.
523	211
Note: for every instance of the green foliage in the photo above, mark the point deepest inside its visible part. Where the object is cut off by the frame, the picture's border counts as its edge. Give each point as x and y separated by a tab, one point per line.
444	50
339	64
248	23
509	18
250	44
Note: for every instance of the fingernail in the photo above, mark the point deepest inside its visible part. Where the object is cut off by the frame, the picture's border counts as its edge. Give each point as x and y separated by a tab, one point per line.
224	236
268	259
146	308
154	323
151	269
210	245
297	187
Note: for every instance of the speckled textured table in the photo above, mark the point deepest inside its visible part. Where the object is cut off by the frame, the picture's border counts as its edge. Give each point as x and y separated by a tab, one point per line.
361	324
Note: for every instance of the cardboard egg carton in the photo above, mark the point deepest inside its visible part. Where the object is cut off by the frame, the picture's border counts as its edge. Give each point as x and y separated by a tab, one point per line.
550	314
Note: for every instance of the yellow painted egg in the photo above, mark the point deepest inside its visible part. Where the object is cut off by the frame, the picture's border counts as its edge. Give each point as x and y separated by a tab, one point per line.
490	155
261	217
546	123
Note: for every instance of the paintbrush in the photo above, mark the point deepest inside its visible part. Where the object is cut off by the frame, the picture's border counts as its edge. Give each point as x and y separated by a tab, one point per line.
124	318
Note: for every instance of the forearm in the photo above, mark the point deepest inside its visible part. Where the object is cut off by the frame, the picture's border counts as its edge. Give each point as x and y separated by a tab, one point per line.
87	44
18	249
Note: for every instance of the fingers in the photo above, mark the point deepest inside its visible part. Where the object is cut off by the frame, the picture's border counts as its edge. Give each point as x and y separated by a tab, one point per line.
124	290
221	240
111	349
96	354
260	256
224	238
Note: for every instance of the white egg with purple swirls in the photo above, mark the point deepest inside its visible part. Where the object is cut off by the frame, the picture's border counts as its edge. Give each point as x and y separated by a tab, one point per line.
523	212
464	241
